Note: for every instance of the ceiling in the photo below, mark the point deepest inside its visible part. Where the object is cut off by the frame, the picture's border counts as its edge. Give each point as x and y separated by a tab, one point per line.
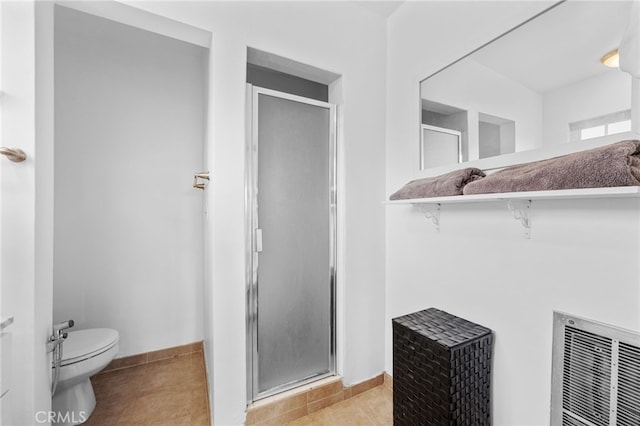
560	47
382	8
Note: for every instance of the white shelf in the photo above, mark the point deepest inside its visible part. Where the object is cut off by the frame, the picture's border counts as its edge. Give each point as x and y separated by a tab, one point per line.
518	203
564	194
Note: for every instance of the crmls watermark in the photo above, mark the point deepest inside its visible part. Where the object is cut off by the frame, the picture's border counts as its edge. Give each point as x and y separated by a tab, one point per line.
59	417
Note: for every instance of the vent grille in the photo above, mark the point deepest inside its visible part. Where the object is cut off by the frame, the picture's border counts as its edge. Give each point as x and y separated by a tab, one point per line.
629	385
567	420
587	376
596	374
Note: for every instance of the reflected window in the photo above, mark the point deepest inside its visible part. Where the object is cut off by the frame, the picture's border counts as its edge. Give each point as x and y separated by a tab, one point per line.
619	127
609	124
592	132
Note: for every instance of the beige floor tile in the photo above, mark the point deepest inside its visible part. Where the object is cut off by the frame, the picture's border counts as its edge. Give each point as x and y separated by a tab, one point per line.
378	403
168	392
161	407
200	420
173	392
302	421
340	415
107	413
370	408
200	408
170	375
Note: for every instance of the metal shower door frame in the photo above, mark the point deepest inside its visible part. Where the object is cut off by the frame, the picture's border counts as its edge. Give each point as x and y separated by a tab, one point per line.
251	225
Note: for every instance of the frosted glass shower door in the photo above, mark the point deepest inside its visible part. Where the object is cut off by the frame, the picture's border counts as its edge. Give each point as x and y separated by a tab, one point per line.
293	241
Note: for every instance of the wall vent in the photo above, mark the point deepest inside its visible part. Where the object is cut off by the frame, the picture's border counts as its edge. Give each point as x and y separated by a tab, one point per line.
595	374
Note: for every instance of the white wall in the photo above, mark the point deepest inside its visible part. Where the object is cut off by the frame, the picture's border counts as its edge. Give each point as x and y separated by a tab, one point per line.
581	258
27	203
604	94
128	224
474	87
338	37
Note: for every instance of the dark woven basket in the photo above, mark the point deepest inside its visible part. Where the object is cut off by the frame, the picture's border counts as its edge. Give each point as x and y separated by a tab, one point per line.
441	370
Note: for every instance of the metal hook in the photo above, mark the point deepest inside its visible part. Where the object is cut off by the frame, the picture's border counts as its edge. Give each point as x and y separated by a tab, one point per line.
200	175
14	154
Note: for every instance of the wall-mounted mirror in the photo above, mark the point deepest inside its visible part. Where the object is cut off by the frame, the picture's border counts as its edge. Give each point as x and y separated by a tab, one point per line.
542	83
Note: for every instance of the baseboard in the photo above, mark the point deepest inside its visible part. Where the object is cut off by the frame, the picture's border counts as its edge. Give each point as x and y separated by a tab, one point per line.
147	357
388	381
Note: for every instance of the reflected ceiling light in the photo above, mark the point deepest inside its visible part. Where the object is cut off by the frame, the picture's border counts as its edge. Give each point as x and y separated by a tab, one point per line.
611	59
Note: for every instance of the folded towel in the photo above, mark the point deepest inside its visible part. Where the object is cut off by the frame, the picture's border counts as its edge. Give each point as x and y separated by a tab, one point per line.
438	186
617	164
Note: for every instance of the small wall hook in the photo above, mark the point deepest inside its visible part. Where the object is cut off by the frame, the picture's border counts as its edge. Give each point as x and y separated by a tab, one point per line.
200	175
14	154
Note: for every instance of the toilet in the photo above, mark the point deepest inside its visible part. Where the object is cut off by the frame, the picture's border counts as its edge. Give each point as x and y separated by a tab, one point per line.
84	353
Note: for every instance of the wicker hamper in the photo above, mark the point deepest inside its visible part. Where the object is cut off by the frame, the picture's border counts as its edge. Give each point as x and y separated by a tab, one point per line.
441	370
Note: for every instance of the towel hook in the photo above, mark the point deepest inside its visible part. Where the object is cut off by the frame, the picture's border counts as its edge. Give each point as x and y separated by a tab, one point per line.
200	175
14	154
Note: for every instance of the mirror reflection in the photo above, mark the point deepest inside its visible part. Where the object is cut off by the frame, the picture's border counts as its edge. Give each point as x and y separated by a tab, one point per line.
540	84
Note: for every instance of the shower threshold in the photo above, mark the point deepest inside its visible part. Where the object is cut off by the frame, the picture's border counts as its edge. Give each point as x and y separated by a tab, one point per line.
295	403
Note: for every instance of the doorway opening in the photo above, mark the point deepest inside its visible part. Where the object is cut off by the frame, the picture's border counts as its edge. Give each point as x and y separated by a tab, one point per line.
291	221
130	131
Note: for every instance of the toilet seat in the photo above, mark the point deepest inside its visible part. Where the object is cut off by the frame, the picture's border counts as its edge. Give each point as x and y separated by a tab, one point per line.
84	344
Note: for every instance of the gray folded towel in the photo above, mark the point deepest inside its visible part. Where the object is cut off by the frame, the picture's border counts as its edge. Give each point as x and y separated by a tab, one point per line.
438	186
617	164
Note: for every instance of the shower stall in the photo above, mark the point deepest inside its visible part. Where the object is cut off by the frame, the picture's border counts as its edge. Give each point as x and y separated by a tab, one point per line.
291	240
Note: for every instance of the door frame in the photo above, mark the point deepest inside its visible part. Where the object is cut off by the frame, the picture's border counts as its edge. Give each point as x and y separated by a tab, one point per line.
27	76
251	224
432	128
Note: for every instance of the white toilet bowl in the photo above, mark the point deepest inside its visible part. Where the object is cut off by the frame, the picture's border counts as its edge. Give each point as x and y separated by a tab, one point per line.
84	353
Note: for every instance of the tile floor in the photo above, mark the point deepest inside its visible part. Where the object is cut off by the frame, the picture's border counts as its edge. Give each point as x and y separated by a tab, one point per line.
171	392
371	408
